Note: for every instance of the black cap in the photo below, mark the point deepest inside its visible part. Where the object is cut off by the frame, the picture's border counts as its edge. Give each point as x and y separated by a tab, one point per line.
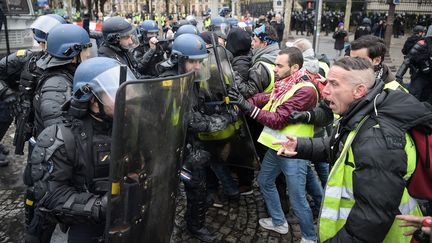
419	28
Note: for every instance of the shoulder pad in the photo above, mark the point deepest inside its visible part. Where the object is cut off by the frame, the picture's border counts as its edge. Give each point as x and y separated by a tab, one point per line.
47	137
21	53
57	83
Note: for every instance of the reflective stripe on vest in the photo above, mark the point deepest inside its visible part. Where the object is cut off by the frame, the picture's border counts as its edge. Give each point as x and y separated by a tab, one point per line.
394	85
222	134
269	135
270	69
339	197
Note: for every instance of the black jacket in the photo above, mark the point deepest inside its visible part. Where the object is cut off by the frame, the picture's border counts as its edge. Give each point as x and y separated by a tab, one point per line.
147	59
380	159
123	56
409	43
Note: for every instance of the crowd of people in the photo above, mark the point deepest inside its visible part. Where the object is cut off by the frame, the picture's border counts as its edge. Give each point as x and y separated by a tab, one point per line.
339	132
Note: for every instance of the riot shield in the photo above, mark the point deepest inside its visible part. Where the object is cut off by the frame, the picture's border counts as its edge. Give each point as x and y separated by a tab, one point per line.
148	138
233	145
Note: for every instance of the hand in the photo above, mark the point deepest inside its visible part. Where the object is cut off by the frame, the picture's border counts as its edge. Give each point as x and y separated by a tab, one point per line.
300	117
239	99
152	42
288	146
11	100
415	221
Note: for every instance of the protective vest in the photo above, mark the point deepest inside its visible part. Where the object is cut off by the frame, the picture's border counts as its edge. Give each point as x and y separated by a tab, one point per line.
270	67
207	23
394	85
339	197
269	135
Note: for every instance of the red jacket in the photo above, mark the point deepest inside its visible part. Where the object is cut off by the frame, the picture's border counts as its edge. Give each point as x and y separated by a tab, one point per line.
303	99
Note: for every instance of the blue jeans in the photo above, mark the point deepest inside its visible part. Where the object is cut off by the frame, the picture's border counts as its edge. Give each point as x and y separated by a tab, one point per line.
223	173
313	187
295	171
323	171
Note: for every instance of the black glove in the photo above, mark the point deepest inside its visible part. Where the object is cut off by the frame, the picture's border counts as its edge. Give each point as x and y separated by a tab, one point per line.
300	117
197	122
240	101
11	100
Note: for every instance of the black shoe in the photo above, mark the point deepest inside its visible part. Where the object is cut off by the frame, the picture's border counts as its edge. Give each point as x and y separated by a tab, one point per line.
3	160
203	234
3	149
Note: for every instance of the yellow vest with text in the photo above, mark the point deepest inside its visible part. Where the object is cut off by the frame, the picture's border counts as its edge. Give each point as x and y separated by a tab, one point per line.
339	197
268	135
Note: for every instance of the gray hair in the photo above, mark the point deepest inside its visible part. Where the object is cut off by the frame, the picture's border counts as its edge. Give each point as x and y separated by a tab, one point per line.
360	70
302	44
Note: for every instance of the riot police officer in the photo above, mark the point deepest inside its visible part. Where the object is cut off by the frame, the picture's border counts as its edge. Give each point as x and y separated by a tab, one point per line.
70	162
119	41
20	68
420	58
30	73
67	46
363	29
149	53
188	52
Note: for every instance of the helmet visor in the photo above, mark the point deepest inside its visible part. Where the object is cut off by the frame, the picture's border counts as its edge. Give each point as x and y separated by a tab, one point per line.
134	39
107	83
45	23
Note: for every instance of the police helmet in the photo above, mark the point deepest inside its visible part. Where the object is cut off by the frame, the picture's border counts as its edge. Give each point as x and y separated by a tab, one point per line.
249	23
419	28
43	24
192	20
67	40
149	26
186	29
366	21
232	22
218	21
182	22
116	27
189	46
99	77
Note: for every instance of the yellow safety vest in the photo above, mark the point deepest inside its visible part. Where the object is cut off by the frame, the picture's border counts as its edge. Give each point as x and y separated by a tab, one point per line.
207	23
269	135
339	197
394	85
270	67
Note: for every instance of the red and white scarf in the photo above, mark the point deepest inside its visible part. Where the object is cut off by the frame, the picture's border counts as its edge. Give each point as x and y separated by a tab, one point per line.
281	87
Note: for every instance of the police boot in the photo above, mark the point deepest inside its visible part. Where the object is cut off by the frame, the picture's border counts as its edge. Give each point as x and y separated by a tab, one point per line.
196	208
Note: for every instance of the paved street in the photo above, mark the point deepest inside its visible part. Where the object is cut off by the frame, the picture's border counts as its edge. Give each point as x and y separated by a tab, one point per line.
235	222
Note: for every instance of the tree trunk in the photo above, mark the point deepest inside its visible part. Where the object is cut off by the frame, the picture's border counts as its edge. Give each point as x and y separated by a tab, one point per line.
96	6
347	15
101	6
287	21
389	26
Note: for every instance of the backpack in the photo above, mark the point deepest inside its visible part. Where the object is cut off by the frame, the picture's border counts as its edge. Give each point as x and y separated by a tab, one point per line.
420	184
318	80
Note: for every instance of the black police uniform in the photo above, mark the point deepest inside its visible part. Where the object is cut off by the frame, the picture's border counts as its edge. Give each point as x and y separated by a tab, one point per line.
70	170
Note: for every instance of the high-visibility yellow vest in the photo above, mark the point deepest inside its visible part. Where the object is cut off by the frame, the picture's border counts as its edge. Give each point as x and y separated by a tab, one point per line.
269	135
270	67
339	197
207	23
394	85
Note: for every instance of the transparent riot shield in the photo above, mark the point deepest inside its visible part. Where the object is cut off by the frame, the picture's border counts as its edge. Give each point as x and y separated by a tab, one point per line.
147	144
232	145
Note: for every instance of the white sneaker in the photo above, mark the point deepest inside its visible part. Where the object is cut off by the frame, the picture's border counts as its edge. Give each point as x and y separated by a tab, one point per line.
303	240
267	223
